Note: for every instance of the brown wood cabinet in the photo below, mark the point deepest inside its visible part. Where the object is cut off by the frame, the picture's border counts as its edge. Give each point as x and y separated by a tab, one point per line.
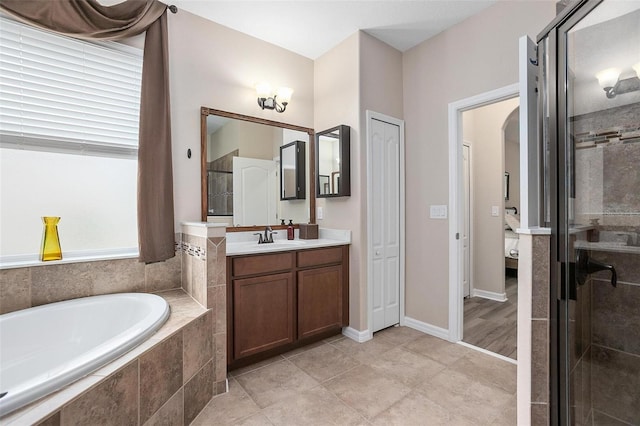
319	300
263	316
279	301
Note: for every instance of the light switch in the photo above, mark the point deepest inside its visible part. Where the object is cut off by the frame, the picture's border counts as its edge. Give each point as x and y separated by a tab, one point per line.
438	212
320	214
495	211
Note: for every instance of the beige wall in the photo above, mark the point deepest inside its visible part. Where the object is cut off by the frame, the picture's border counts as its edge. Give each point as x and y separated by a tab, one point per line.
475	56
253	140
337	101
380	91
214	66
360	73
486	138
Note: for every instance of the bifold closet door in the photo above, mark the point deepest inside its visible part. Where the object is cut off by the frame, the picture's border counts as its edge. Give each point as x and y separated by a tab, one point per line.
385	216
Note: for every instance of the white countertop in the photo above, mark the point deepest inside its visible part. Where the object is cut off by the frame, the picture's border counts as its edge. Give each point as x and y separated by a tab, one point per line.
241	243
609	246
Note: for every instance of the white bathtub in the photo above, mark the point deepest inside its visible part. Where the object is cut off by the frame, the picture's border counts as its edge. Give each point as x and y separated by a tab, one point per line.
45	348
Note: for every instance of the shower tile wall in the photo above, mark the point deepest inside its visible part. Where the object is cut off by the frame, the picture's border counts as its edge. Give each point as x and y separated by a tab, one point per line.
220	184
615	348
607	319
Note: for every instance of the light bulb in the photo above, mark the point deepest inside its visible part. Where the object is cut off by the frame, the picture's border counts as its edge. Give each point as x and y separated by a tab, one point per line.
263	90
284	95
608	78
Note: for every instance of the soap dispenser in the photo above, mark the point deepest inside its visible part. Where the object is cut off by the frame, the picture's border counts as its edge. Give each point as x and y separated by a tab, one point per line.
290	234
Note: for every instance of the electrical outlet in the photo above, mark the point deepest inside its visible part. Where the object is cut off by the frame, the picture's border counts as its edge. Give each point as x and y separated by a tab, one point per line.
438	212
320	213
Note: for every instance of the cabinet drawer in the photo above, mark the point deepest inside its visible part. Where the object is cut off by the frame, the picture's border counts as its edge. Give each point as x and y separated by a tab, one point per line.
319	257
262	264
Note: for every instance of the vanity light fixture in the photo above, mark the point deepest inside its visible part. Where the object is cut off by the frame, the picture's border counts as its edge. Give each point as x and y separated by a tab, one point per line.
609	80
268	100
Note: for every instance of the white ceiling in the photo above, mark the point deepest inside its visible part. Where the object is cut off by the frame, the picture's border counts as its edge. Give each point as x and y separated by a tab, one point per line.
311	28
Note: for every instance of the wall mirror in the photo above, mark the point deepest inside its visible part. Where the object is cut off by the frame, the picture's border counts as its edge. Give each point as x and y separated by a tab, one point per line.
333	162
292	171
241	170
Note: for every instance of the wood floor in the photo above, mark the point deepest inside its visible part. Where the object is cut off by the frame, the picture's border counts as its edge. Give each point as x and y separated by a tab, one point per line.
492	325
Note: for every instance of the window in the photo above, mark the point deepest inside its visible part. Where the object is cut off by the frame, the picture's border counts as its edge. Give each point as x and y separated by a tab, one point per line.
69	113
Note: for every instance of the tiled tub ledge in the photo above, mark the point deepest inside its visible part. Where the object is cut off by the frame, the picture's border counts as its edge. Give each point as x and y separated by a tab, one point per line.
168	379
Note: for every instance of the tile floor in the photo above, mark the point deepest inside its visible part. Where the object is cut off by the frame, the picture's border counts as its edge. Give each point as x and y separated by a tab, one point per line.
400	377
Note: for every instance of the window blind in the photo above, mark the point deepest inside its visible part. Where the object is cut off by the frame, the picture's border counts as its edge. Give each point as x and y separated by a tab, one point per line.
62	94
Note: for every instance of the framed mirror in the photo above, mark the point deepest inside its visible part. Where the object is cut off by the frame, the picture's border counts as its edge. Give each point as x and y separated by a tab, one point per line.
333	162
292	171
240	171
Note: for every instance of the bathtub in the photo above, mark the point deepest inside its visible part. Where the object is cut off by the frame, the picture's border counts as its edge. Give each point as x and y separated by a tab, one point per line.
45	348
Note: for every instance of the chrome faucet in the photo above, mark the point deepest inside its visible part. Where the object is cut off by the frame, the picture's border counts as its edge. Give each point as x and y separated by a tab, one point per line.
268	235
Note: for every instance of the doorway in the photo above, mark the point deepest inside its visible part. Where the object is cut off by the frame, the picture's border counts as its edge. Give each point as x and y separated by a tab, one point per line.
489	240
385	221
457	203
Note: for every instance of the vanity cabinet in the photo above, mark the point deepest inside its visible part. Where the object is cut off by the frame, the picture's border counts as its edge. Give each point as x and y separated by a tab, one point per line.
279	301
256	299
319	300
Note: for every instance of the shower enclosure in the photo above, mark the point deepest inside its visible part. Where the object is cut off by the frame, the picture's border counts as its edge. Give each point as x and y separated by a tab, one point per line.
589	68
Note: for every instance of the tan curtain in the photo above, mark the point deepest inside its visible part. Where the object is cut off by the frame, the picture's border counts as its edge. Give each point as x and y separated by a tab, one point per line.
87	19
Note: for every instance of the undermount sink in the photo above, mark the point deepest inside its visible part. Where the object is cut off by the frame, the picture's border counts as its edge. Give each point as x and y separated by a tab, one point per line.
266	246
286	243
277	243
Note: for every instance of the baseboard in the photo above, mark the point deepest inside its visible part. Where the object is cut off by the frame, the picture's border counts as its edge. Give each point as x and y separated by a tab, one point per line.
358	336
432	330
498	297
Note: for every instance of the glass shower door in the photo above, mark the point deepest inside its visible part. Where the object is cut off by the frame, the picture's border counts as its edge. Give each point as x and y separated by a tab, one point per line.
598	214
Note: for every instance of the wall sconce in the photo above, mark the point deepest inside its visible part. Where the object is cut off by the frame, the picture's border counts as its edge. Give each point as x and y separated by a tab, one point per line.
612	85
277	101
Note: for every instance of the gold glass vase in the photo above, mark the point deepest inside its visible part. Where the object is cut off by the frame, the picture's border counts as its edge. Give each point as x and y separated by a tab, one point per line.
50	241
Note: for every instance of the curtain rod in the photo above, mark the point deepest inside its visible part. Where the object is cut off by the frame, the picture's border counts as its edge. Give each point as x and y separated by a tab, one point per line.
173	8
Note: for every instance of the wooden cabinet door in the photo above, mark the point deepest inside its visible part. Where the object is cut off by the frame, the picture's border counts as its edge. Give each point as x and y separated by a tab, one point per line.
262	313
319	300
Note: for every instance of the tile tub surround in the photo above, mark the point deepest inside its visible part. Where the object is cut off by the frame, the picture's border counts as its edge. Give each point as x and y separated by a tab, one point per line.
170	376
204	277
22	288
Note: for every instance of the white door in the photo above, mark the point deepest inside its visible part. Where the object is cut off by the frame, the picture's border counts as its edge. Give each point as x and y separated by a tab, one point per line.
384	245
466	253
254	191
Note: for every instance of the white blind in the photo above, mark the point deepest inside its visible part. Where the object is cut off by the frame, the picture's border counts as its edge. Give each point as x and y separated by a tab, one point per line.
57	93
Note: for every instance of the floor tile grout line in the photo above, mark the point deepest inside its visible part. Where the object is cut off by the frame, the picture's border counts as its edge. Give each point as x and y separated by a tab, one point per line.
367	362
261	367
